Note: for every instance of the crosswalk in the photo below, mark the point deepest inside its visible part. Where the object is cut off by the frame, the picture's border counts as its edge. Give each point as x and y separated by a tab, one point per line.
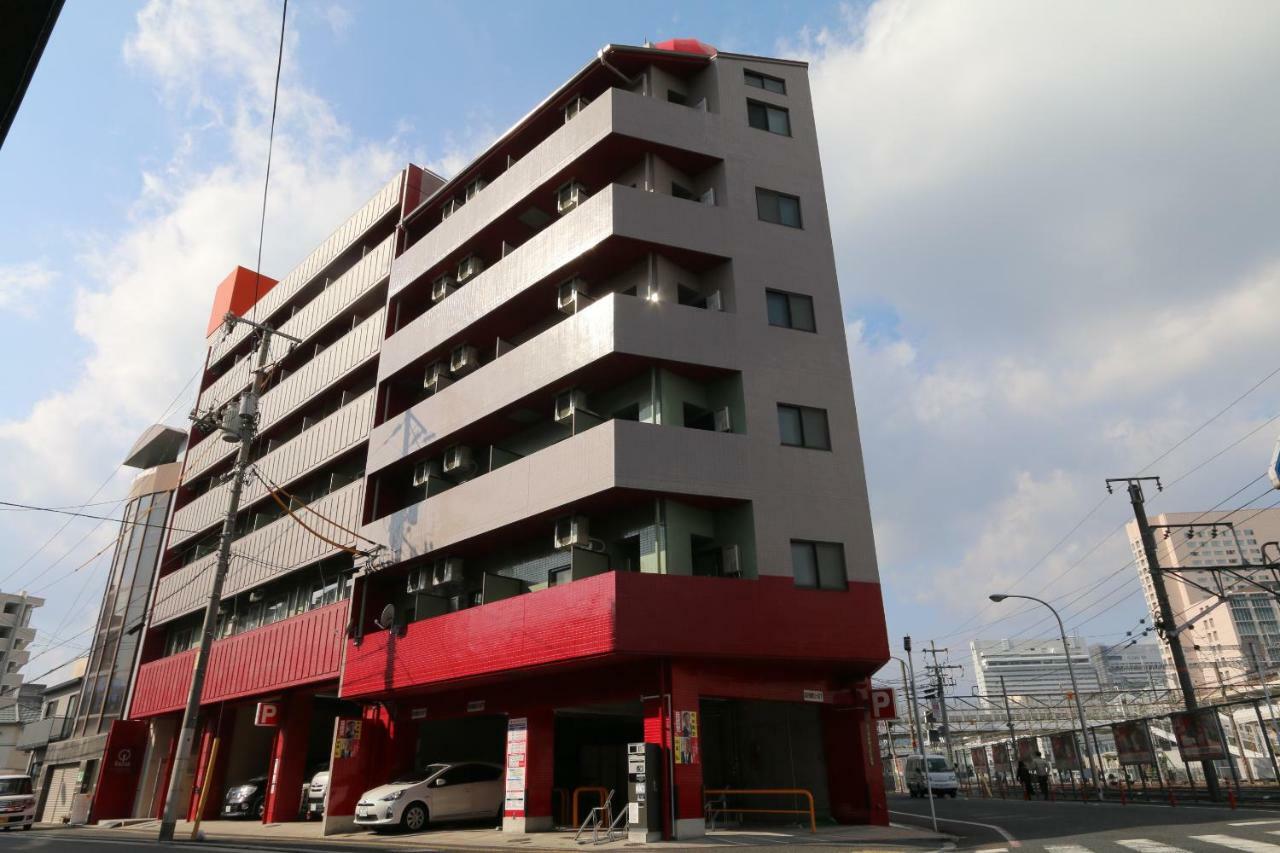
1195	843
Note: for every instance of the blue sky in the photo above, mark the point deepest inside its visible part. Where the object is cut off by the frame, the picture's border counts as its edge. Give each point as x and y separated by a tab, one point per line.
1054	232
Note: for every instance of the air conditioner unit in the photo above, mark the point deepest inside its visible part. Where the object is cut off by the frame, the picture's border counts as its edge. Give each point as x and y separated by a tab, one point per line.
442	287
574	107
571	295
571	530
473	188
451	207
570	196
567	403
457	458
723	421
448	570
437	377
469	267
464	359
425	470
731	561
715	302
419	579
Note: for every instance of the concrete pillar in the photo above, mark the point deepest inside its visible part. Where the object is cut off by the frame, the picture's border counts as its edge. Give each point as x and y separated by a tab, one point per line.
539	773
289	760
855	779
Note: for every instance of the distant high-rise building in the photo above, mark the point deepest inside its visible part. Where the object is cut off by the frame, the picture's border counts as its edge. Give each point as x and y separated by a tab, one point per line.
1129	667
1221	640
16	635
1031	667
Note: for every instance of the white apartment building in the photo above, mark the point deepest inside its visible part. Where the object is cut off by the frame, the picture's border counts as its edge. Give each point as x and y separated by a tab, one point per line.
1130	667
1221	638
16	634
1036	667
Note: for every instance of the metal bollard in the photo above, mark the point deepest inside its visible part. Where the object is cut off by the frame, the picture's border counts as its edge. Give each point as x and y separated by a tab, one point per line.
1231	799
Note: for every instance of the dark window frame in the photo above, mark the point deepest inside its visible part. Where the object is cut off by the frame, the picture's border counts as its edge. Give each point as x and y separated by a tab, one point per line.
759	80
764	105
763	194
800	412
788	296
817	548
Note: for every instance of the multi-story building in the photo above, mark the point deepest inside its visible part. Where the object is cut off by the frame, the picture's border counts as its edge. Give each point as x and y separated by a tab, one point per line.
18	708
1226	639
1139	666
78	736
57	710
16	634
584	414
1031	667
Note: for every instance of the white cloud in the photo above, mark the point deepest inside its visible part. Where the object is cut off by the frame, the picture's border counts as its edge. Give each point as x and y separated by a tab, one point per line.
1070	216
21	283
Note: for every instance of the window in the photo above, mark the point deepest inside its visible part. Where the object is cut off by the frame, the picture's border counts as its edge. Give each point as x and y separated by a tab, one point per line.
818	565
677	97
790	310
764	81
767	117
778	208
802	426
682	192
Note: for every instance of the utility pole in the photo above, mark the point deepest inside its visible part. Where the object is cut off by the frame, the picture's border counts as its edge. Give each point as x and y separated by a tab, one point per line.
938	673
910	698
239	424
1008	715
1167	626
924	758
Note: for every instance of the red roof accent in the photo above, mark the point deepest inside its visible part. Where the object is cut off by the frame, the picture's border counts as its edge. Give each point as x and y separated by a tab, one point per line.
687	46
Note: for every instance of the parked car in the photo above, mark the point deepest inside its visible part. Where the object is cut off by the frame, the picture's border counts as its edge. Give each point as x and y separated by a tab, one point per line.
942	778
17	805
246	800
438	792
313	802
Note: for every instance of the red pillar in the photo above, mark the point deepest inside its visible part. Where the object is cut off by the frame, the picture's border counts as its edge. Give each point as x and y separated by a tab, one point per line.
289	760
539	772
680	686
855	779
215	774
204	751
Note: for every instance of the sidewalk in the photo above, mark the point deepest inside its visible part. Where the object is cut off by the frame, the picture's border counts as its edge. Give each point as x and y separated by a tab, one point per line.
473	838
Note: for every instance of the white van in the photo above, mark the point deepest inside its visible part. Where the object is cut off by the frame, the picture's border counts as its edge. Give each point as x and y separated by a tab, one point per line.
942	779
17	804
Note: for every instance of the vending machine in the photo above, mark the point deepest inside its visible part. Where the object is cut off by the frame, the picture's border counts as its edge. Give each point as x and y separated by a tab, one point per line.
644	796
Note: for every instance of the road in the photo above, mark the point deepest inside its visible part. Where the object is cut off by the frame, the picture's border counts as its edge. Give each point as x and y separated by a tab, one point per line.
1074	827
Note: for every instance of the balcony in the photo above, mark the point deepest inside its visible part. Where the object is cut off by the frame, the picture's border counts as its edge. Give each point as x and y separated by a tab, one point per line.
329	368
615	113
43	732
625	615
327	440
256	558
615	455
301	650
384	202
613	326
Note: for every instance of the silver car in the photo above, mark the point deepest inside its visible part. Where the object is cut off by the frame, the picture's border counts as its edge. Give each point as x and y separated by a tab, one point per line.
439	792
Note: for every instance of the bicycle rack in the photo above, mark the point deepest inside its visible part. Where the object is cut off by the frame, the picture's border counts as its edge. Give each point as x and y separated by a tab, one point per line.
598	817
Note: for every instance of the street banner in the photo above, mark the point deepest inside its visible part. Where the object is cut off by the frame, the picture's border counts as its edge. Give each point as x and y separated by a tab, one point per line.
1000	755
1199	735
1066	752
979	756
1133	742
1026	749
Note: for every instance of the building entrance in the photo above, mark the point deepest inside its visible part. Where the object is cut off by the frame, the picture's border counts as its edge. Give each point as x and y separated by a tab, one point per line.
591	758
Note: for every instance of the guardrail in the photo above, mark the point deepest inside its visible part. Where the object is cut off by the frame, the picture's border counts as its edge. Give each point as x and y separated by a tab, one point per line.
724	793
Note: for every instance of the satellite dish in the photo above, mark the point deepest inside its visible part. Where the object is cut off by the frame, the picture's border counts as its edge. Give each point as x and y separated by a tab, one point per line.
386	618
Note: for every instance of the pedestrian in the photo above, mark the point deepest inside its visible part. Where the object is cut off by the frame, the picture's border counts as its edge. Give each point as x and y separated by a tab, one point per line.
1040	767
1024	776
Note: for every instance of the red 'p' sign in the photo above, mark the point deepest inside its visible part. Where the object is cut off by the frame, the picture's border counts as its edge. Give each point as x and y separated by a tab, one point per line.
268	714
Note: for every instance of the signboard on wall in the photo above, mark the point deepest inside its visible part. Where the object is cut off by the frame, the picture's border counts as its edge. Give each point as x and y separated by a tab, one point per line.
517	754
1026	749
1000	754
1066	752
686	724
1133	742
346	743
979	756
267	714
1199	735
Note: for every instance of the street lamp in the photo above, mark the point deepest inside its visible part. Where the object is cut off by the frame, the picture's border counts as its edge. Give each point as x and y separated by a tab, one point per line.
1075	689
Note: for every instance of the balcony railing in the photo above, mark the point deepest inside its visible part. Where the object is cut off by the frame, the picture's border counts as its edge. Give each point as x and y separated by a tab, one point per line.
43	732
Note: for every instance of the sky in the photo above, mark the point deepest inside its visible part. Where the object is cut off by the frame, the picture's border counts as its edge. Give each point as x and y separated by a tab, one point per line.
1054	224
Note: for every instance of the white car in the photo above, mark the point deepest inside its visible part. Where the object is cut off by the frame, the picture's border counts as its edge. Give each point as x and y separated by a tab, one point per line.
313	800
942	781
17	805
439	792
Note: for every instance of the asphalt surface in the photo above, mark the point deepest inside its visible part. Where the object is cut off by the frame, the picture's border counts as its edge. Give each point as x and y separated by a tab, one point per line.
1075	827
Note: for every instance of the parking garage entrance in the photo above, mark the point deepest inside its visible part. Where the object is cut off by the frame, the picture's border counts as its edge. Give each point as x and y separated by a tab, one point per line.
477	738
591	758
763	745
